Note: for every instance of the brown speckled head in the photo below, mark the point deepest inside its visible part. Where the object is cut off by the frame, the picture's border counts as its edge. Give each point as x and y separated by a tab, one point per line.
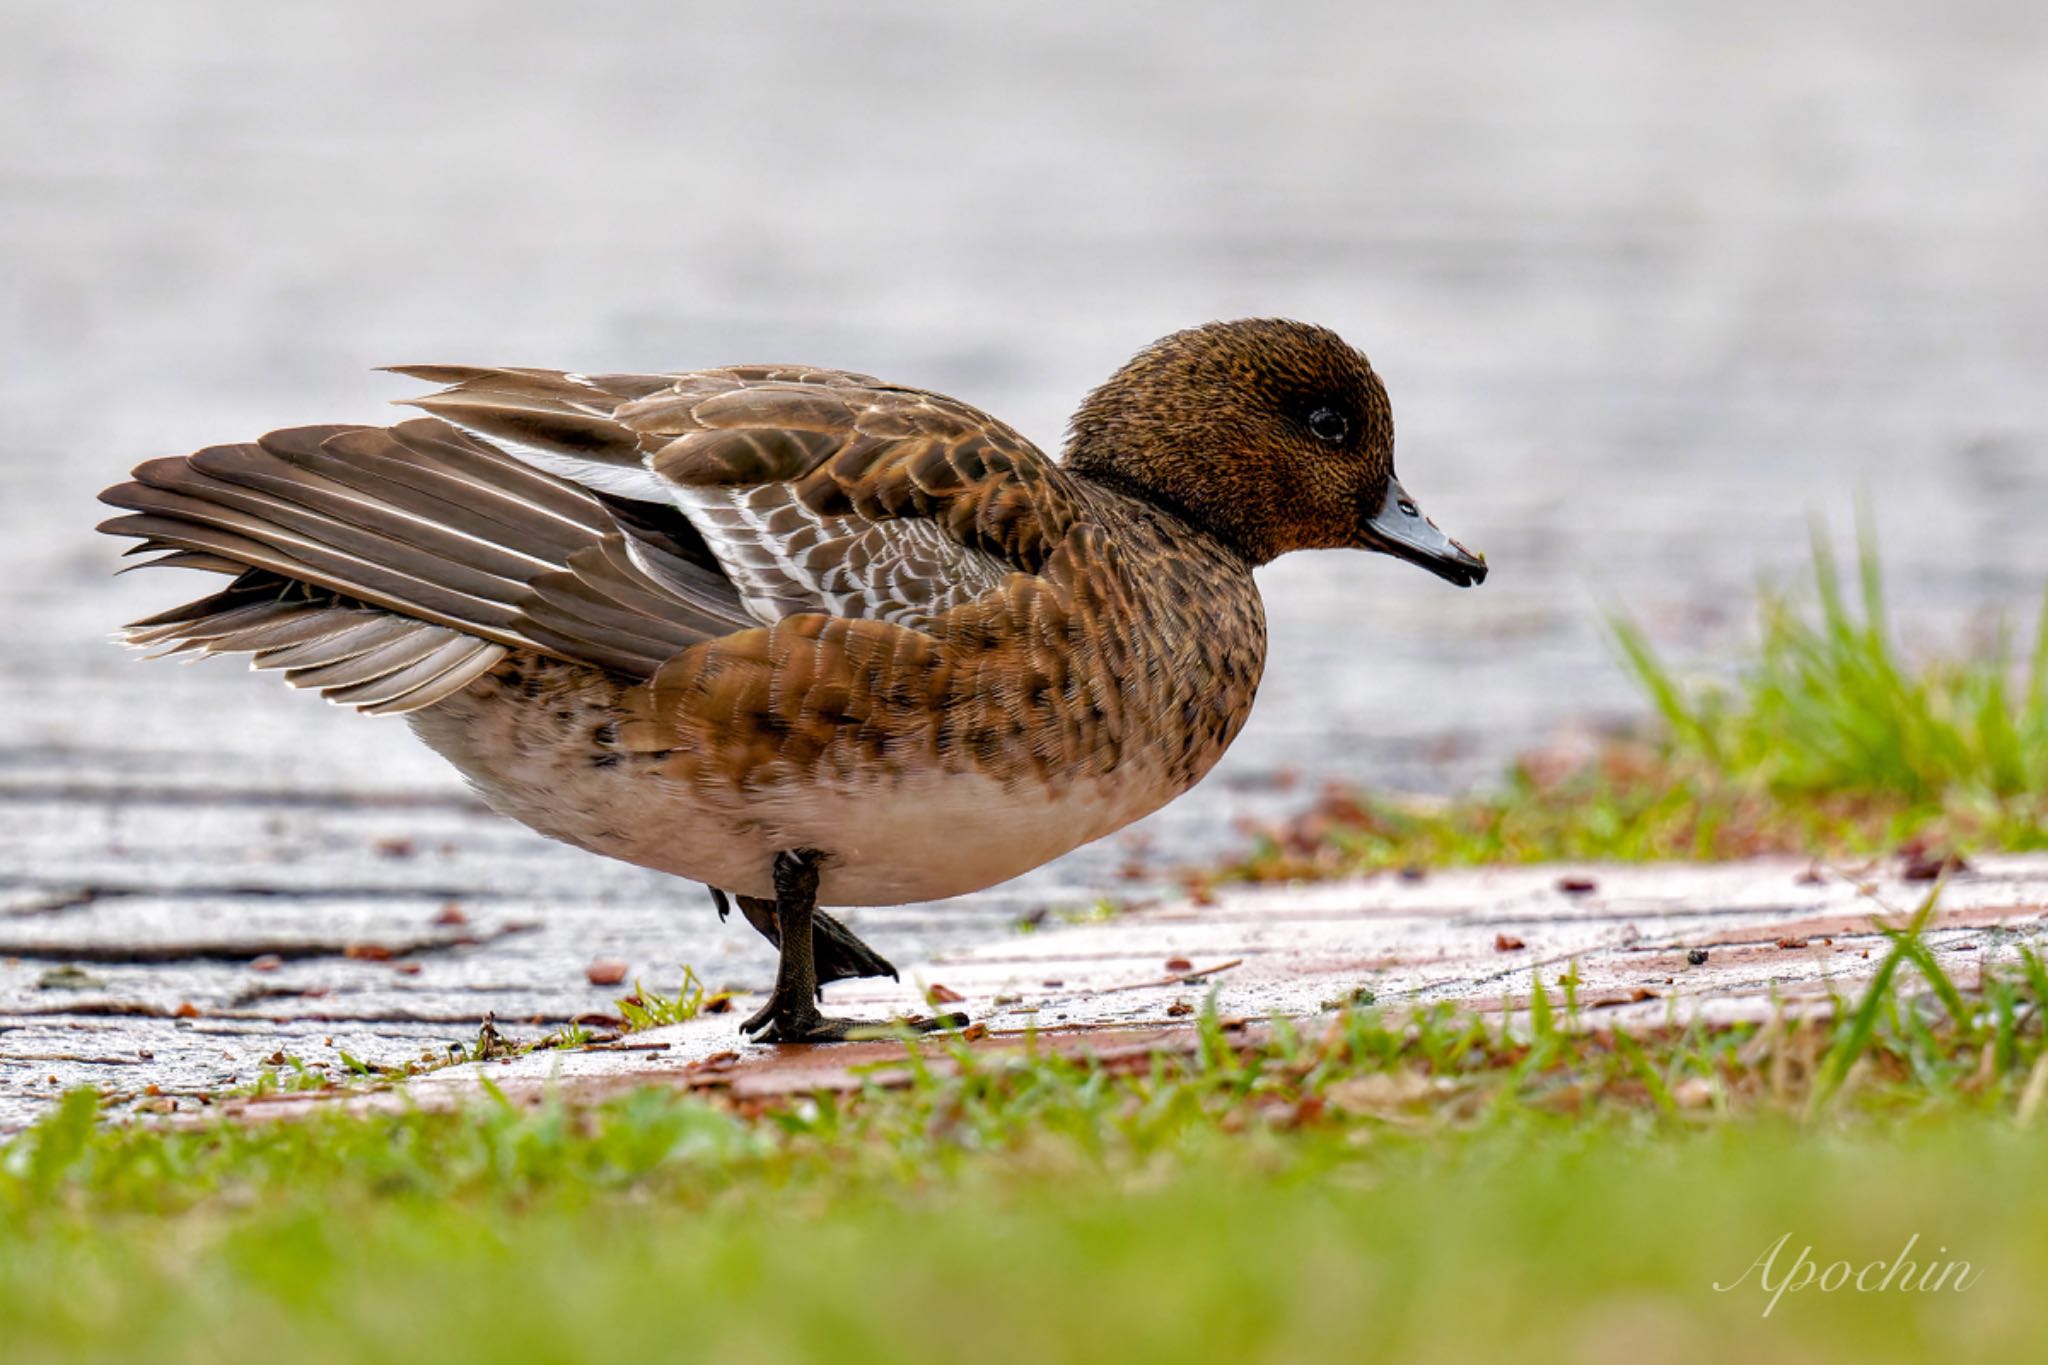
1273	435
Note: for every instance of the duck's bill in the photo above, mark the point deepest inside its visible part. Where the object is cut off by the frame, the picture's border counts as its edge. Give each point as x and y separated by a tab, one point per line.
1400	529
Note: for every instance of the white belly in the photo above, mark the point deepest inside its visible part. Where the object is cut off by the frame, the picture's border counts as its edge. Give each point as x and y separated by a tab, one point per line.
910	839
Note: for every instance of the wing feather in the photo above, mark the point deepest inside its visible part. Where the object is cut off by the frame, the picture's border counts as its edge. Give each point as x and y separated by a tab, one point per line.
813	491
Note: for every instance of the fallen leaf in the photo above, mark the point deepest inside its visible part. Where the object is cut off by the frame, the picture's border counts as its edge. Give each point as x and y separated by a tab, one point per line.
1179	964
943	995
1922	866
1507	943
1692	1093
367	952
1381	1090
1179	1009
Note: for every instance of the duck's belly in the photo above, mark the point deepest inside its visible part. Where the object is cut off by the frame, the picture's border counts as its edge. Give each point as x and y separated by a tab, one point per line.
887	839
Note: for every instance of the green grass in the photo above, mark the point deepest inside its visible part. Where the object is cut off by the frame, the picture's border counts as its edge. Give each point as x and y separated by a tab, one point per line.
1425	1186
1830	743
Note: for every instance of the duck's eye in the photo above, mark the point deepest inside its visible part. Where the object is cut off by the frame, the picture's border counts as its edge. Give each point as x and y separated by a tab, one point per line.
1328	424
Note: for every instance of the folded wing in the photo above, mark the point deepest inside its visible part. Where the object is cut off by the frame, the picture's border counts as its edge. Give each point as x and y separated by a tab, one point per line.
814	491
617	520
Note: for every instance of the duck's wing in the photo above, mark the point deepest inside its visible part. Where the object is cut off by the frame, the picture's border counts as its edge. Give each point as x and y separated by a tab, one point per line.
815	491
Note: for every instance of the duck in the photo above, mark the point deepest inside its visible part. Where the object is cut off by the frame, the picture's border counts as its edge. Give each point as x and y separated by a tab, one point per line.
803	636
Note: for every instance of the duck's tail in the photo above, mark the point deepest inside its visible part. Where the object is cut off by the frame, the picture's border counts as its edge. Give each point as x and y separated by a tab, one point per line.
390	567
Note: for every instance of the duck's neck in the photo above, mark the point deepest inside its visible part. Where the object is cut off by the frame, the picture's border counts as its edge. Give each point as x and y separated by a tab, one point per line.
1138	495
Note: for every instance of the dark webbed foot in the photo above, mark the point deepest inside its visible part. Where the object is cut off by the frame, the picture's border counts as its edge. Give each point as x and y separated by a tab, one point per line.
812	940
837	953
808	1026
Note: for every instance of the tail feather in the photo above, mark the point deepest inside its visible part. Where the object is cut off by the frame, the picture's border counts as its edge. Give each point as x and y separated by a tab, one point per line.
390	567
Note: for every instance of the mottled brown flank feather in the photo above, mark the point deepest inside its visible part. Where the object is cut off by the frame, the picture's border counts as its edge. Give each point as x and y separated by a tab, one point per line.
1052	680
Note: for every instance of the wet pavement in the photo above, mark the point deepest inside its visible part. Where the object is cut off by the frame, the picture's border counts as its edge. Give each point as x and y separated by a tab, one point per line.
1649	287
1645	947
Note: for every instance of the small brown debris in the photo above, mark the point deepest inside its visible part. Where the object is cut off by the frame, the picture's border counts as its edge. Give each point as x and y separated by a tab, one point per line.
406	968
275	1059
450	914
941	994
1052	981
269	962
1378	1091
606	971
1813	876
1788	941
1179	964
719	1004
974	1032
491	1043
367	952
395	848
187	1010
1696	957
1693	1092
1179	1009
1577	885
1507	943
1413	872
1922	865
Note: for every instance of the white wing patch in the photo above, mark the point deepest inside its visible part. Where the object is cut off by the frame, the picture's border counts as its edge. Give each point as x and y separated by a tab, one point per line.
619	480
786	558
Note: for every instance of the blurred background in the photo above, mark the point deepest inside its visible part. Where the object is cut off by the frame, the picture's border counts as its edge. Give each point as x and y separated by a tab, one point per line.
1650	286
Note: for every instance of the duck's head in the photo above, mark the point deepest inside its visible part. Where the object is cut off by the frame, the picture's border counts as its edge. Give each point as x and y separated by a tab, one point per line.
1272	435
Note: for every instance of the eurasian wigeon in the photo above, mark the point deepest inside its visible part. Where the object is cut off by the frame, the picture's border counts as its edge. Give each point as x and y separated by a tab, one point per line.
798	634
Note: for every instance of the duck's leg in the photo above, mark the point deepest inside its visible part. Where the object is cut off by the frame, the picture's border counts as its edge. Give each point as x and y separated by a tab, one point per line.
791	1014
836	950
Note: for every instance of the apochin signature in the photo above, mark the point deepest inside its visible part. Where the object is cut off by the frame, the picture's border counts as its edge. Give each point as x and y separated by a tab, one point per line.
1898	1275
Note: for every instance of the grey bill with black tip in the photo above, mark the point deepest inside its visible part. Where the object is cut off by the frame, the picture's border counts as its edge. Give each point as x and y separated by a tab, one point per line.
1400	529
